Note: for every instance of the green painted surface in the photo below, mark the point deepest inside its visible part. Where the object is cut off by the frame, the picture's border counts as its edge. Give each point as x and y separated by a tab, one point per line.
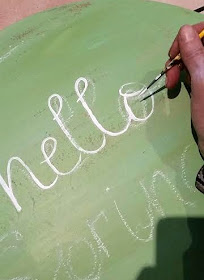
102	221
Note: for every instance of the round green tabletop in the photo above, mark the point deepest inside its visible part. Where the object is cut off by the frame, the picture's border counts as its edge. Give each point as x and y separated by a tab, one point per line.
94	184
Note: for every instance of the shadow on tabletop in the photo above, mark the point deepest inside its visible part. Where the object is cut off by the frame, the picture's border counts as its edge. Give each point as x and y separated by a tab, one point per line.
179	250
160	135
173	93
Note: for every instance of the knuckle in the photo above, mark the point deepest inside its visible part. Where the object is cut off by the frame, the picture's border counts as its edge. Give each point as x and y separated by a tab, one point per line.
183	28
195	54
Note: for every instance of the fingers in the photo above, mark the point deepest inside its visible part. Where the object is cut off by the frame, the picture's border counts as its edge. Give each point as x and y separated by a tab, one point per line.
172	76
192	53
174	50
189	45
191	50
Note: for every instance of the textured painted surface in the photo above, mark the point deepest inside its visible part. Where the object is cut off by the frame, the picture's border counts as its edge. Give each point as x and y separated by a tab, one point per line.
101	221
12	10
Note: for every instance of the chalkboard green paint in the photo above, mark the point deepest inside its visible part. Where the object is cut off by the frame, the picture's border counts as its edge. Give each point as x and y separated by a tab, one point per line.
87	186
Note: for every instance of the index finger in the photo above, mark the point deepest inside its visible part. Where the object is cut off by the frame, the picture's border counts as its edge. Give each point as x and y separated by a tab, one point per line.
174	50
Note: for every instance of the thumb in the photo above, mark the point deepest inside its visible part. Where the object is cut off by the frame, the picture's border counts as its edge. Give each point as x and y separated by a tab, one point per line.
192	50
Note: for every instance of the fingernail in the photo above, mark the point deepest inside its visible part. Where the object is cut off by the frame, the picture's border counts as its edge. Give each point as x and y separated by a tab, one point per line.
187	34
169	55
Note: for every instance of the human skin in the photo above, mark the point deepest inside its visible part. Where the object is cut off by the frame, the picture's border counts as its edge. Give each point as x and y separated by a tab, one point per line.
13	10
191	48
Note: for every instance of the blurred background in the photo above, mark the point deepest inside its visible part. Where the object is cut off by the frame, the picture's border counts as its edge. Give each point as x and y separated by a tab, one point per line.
14	10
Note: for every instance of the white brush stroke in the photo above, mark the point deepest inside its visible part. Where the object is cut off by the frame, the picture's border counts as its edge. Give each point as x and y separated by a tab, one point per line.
47	158
8	186
6	55
95	273
67	133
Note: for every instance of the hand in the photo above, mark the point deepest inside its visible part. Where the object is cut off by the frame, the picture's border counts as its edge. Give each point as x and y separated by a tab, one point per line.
190	46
